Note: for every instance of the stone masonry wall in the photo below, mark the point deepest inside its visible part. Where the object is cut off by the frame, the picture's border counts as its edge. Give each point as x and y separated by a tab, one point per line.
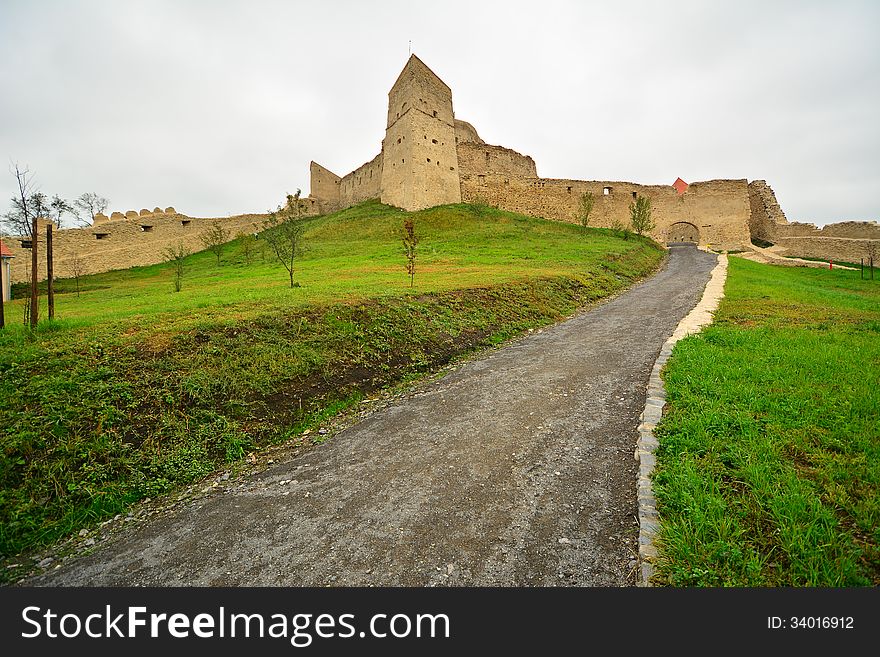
420	159
846	241
839	249
480	159
363	183
766	214
324	187
124	243
718	210
845	229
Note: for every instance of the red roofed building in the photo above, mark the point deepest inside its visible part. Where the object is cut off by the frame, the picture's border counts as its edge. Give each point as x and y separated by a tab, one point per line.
6	265
680	186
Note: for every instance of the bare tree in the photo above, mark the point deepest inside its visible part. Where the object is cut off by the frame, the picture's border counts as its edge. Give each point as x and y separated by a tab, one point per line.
640	215
58	207
77	268
215	239
90	204
284	233
585	208
177	257
410	242
28	206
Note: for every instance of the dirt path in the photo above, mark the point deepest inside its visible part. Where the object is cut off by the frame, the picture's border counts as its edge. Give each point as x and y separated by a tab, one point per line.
515	469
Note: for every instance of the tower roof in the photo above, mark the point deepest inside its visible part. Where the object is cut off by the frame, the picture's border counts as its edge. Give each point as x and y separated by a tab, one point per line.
4	251
412	64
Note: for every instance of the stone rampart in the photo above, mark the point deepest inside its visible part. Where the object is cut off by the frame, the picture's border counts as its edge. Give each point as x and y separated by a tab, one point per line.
716	211
839	249
127	242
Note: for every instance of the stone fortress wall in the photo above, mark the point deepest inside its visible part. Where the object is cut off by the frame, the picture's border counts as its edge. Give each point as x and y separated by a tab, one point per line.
124	240
418	168
847	241
430	158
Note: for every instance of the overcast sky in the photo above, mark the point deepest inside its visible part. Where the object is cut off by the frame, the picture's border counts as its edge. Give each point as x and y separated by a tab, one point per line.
217	107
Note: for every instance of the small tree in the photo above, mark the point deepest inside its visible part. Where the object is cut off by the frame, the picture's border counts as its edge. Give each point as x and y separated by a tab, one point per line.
284	233
90	204
215	239
585	208
410	242
77	267
621	229
247	245
640	215
177	257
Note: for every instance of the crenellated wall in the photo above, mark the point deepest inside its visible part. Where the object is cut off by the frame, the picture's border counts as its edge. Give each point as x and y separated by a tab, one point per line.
127	242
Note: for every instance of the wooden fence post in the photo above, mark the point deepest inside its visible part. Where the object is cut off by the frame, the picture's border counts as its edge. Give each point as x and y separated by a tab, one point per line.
50	283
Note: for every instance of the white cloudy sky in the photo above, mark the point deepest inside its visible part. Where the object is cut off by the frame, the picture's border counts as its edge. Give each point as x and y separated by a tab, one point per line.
217	107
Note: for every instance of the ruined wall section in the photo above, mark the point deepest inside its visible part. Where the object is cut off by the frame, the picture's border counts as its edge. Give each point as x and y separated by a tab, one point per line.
845	229
475	159
847	241
838	249
766	213
718	209
362	184
324	187
466	133
127	242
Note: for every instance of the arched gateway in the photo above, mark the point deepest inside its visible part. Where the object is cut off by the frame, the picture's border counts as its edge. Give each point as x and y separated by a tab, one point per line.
683	231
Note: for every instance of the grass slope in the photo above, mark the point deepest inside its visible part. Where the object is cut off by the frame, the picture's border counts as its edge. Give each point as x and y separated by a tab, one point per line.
136	389
769	462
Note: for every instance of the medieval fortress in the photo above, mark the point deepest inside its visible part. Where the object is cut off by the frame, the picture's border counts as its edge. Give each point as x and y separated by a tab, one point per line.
430	158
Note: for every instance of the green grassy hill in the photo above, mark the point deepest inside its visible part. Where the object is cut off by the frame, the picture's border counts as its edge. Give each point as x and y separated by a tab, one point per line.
136	389
768	472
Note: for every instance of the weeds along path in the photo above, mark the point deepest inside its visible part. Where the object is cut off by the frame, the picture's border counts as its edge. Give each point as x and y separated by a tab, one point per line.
515	469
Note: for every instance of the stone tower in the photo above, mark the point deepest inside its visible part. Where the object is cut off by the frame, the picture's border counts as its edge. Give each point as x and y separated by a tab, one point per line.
420	168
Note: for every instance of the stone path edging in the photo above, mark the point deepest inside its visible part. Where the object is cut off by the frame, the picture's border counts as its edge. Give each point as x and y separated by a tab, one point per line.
696	319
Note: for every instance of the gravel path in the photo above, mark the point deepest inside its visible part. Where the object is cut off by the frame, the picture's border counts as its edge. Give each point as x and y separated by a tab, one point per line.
515	469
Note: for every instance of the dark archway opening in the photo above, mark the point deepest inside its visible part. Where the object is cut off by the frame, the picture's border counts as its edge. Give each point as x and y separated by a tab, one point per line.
683	232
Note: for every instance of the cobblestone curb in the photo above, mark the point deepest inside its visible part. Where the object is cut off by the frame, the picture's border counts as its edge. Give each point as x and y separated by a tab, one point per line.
696	319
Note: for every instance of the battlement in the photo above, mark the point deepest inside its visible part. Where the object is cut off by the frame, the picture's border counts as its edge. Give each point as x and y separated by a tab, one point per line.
128	239
102	218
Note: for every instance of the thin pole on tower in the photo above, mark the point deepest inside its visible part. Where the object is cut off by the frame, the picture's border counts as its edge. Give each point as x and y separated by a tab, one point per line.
410	46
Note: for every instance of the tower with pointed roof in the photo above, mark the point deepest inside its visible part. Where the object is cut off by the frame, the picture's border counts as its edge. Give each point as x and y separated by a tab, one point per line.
420	161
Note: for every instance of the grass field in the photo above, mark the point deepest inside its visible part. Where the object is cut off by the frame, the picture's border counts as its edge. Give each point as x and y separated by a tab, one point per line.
136	389
769	461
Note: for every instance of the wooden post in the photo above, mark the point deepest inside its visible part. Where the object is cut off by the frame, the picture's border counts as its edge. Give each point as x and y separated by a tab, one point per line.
35	239
2	292
862	270
50	283
872	268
